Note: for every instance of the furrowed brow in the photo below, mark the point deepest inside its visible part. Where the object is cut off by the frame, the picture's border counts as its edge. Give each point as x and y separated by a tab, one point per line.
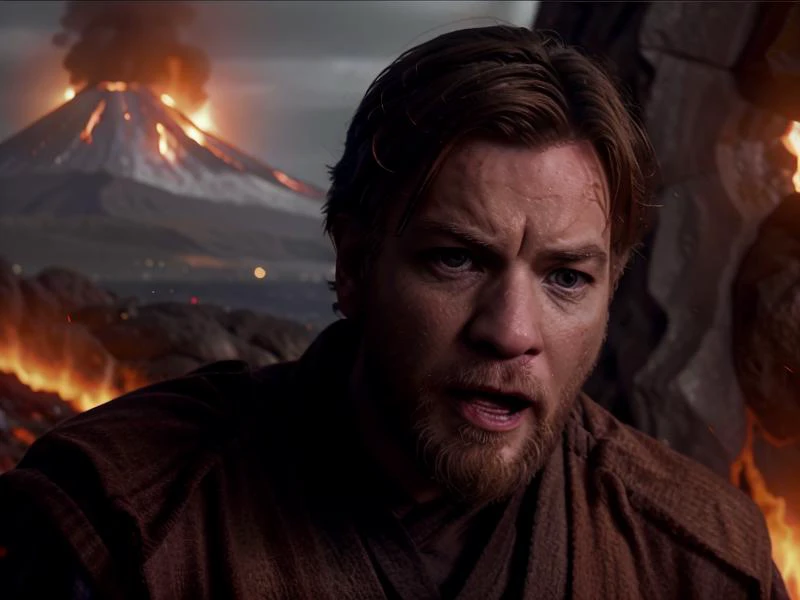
464	235
589	252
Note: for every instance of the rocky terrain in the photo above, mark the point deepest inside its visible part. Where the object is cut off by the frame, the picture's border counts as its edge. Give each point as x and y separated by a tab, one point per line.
79	345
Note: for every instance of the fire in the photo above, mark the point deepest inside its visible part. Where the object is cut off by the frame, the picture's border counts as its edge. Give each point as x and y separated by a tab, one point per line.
69	93
167	99
195	134
164	148
792	142
94	119
785	536
202	118
58	379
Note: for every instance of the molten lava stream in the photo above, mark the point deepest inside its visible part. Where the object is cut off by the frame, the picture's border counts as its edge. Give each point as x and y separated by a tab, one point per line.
61	380
792	142
94	119
784	535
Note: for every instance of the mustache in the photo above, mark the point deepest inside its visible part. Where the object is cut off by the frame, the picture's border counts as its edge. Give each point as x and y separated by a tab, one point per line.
492	375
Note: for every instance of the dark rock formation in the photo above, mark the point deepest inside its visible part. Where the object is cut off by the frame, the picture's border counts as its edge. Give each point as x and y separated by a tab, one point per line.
667	367
766	300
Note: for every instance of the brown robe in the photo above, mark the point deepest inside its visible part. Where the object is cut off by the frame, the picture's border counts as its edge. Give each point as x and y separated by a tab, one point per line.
233	484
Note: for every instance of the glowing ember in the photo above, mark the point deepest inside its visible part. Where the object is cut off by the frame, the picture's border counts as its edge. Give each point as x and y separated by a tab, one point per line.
164	148
259	272
23	435
167	99
69	94
785	537
94	119
792	142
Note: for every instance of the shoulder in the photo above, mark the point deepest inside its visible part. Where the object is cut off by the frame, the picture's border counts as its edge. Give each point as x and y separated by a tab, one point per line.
186	419
689	504
110	479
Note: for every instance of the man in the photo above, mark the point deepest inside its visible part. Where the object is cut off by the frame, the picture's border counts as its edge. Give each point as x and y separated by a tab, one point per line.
434	443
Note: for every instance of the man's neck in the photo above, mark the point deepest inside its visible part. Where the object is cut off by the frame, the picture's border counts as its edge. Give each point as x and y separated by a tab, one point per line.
383	446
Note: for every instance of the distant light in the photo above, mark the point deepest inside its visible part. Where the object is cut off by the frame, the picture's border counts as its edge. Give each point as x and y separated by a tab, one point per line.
194	300
127	116
259	272
69	94
168	100
148	262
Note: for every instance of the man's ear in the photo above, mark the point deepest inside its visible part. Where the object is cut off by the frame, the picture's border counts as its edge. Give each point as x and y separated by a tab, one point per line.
350	240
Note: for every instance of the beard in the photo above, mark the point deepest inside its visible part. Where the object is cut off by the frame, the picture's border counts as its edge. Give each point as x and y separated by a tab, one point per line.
470	463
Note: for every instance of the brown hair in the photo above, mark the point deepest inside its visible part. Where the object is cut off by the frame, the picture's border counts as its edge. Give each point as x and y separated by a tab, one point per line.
506	83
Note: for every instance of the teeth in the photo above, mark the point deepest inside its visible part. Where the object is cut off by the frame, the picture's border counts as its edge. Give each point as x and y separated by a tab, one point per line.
496	408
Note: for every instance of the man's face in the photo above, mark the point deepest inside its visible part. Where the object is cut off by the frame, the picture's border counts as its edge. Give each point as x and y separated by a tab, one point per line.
485	316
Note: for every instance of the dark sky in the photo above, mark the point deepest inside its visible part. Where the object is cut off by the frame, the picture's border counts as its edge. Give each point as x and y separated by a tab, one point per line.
286	76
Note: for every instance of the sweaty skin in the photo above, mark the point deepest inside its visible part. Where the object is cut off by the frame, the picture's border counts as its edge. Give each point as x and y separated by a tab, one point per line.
483	318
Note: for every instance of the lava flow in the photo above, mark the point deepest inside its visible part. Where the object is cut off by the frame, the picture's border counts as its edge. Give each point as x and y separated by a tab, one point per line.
164	146
94	119
60	379
785	536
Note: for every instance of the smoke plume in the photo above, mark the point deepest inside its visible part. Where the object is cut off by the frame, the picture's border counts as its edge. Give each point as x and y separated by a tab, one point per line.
134	42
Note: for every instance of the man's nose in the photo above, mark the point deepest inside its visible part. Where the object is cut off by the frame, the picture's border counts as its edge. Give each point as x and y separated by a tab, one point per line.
507	322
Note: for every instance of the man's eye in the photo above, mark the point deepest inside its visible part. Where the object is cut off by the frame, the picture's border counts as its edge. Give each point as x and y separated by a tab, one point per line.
452	258
569	279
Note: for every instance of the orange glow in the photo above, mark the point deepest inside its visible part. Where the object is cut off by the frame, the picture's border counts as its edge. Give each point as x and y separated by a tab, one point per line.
167	99
202	118
56	378
94	119
164	148
69	94
785	536
23	435
792	142
115	86
195	134
292	184
259	272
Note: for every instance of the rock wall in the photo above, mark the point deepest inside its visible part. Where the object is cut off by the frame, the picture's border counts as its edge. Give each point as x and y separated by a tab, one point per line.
668	365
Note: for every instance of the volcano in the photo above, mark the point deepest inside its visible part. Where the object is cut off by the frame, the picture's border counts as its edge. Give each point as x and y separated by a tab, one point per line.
118	173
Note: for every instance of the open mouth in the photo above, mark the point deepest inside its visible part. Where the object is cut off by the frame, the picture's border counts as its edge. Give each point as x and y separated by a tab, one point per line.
492	411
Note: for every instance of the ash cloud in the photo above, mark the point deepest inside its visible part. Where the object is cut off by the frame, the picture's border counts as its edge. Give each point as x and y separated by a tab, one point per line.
134	42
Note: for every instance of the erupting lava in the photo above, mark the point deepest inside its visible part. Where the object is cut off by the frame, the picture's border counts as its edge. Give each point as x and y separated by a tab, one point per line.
164	146
194	125
792	142
86	134
785	536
